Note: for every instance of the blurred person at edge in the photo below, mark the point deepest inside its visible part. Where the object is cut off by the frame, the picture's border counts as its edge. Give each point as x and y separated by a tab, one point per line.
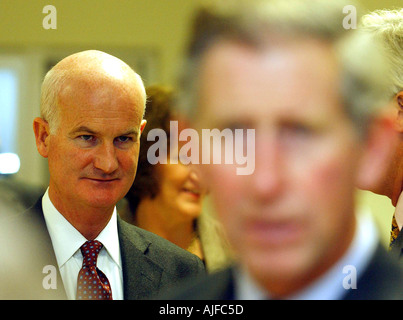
387	26
167	198
17	253
314	93
92	107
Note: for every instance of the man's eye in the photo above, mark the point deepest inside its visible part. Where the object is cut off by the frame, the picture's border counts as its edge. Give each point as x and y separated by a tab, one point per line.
86	140
124	139
86	137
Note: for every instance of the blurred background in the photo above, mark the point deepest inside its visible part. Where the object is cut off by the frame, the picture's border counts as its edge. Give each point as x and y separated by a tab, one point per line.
149	35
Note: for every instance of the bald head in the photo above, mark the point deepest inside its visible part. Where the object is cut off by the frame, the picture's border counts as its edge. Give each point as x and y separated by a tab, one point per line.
84	72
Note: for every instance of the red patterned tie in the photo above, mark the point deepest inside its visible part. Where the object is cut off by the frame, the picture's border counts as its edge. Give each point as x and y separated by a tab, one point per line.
92	284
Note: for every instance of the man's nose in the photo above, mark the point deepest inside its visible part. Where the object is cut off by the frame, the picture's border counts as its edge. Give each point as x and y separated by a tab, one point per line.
106	158
266	180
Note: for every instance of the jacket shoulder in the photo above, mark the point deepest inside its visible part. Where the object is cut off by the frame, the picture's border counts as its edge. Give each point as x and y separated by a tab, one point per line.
382	279
215	286
173	259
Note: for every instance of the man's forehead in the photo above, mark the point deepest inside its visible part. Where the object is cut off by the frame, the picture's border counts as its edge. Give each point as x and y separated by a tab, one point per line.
91	90
232	76
84	83
87	70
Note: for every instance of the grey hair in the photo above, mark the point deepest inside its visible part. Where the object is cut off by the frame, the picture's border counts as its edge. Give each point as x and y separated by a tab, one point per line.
365	81
51	86
388	26
364	77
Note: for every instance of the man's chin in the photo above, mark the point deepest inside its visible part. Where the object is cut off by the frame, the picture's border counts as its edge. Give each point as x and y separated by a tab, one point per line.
102	201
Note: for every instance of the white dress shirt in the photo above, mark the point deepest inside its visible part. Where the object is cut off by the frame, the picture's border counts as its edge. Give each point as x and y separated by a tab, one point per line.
67	240
330	285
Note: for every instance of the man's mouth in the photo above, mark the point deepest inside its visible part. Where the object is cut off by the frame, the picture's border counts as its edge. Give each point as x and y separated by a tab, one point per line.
102	179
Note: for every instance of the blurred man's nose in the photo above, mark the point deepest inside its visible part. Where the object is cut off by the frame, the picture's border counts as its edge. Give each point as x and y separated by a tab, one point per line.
266	181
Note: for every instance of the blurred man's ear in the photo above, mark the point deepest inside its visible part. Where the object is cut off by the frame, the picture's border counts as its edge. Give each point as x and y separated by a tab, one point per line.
378	150
42	133
399	102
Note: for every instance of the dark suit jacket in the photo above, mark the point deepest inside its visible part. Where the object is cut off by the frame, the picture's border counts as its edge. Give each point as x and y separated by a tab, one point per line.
397	248
383	279
149	262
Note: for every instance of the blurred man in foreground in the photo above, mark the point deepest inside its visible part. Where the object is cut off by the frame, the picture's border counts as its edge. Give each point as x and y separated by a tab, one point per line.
312	92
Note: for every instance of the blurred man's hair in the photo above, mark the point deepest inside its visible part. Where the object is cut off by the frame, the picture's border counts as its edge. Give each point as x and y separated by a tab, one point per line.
364	75
388	26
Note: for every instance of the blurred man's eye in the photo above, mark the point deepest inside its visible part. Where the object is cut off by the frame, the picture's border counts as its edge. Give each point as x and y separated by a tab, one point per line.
296	134
297	129
238	126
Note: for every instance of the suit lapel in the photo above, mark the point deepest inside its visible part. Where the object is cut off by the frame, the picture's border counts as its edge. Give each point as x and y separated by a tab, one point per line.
397	247
141	275
222	288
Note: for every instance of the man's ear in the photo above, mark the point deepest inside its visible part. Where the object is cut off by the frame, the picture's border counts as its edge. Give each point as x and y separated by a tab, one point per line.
42	133
379	147
142	125
399	102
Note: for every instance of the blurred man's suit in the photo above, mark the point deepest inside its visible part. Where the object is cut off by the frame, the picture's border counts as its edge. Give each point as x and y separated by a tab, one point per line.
396	248
372	285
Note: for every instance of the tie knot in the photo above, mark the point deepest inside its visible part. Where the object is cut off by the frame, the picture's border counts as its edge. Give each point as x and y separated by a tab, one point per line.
90	251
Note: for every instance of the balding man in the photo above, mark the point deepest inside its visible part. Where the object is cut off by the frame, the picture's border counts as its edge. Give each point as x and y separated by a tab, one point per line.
92	107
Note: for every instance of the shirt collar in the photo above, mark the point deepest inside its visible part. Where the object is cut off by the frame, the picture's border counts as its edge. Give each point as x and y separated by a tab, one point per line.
330	285
66	239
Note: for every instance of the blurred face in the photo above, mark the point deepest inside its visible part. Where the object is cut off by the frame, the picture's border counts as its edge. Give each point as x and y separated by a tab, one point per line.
180	193
93	154
392	185
293	217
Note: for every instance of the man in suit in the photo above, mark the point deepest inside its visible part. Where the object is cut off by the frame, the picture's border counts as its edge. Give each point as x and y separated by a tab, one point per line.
388	26
92	107
148	262
311	91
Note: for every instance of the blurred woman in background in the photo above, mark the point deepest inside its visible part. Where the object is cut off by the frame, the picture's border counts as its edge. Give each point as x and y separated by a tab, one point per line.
167	199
